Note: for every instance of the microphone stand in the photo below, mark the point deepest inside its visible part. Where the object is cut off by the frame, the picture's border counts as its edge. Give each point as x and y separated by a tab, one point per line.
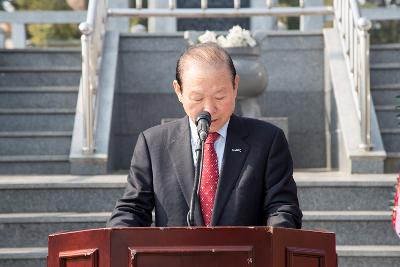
197	176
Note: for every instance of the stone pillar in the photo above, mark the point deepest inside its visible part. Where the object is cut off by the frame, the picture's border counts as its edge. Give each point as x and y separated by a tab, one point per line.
158	24
18	35
2	39
118	24
262	23
310	23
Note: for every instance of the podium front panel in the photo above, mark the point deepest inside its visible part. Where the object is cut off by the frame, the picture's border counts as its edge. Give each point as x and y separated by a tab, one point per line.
195	247
296	257
299	248
195	256
79	258
88	248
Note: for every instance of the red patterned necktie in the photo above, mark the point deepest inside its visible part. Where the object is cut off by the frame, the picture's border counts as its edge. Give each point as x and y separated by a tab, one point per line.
209	178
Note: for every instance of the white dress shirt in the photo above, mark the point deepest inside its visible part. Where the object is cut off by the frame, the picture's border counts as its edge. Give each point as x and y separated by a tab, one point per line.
219	145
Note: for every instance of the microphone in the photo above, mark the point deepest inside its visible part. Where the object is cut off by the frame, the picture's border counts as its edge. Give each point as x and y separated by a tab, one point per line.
203	121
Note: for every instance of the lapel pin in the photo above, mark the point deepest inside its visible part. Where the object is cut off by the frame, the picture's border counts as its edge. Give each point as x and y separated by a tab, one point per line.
236	150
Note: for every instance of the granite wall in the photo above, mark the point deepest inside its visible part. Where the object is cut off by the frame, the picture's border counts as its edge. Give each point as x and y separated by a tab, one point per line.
296	90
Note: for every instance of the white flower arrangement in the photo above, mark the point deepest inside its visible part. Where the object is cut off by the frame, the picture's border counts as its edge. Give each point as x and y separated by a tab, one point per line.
237	37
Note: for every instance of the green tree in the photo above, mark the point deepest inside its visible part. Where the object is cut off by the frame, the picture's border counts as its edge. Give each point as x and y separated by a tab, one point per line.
293	23
41	34
134	20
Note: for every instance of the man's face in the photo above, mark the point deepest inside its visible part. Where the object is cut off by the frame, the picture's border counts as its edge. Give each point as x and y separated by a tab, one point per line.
207	88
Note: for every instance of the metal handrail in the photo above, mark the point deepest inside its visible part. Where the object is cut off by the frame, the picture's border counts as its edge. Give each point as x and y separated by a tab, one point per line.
219	12
353	30
93	30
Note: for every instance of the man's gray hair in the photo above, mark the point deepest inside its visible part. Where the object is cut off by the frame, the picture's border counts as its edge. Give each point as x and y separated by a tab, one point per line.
209	53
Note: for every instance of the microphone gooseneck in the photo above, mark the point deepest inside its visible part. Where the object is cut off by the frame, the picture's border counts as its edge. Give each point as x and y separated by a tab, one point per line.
203	121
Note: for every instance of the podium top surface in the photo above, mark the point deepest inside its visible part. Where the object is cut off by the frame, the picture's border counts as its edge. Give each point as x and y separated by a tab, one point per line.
198	229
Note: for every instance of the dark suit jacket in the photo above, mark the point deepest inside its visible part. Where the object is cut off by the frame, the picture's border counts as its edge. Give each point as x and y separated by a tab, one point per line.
255	187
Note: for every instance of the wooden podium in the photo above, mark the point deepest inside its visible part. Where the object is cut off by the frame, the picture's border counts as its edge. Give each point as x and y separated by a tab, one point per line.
192	247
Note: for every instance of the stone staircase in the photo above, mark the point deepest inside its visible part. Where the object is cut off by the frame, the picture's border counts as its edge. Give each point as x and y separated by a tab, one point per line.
385	86
356	207
31	207
38	94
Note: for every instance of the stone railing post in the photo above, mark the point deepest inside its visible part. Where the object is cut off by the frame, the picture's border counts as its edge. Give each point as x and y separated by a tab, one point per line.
161	24
118	24
263	23
2	39
18	35
310	23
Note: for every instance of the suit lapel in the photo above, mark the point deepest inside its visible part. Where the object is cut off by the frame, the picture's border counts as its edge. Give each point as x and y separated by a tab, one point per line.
235	153
180	153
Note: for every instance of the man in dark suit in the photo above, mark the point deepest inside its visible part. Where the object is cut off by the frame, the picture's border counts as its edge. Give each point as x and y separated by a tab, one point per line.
248	161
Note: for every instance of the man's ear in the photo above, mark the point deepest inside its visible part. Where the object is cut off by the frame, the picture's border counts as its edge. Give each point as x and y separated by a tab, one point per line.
178	90
236	84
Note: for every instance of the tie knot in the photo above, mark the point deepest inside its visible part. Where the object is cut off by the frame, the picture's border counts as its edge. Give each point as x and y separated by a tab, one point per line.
212	137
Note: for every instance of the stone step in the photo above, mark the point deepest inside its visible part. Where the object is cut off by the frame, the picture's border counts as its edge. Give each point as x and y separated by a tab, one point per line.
385	73
25	256
317	190
51	76
40	57
337	191
391	139
37	164
387	53
38	97
60	193
388	116
36	119
32	229
392	162
354	227
368	256
351	228
384	95
35	143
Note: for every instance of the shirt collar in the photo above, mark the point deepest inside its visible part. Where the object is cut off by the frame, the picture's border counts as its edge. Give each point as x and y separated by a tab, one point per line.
193	130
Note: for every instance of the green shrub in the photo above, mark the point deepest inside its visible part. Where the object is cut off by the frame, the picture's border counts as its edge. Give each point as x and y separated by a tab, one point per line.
384	32
41	34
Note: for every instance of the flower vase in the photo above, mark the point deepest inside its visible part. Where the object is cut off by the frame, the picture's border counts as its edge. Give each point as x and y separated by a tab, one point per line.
252	72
